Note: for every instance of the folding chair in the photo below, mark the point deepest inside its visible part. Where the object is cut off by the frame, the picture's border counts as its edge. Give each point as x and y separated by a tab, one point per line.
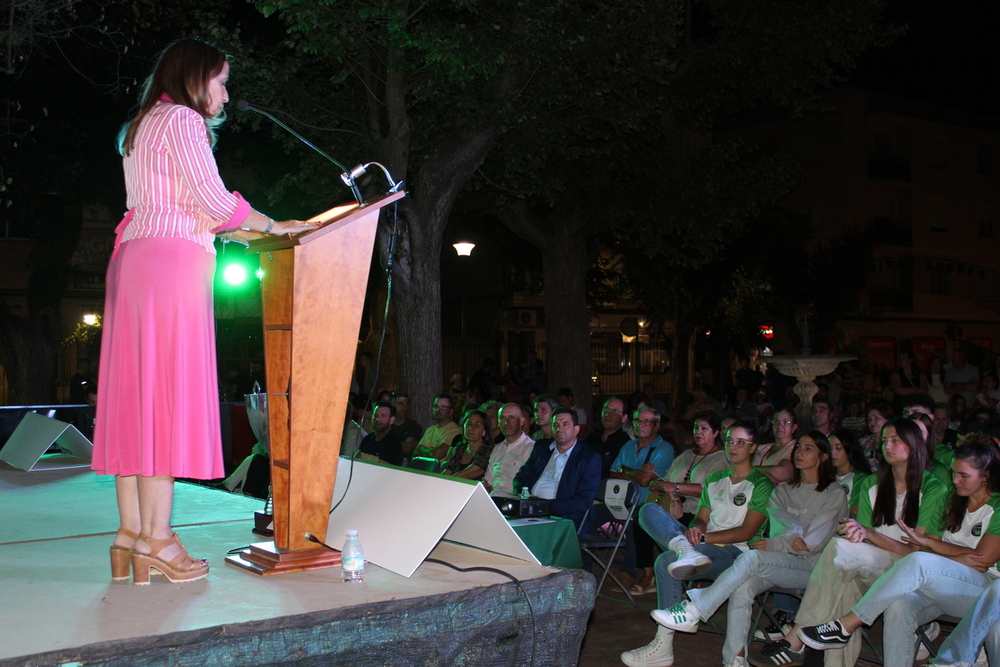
764	612
621	498
922	637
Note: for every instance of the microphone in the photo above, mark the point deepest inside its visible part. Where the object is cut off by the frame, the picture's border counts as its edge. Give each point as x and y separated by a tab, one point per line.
346	176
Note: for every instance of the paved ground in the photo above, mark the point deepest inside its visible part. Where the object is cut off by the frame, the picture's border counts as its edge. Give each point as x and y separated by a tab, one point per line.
616	626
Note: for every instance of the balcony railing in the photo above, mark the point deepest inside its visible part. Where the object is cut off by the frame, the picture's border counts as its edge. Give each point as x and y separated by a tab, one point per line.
893	282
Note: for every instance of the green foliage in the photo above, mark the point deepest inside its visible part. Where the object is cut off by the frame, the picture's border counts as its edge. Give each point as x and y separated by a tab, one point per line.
690	222
88	335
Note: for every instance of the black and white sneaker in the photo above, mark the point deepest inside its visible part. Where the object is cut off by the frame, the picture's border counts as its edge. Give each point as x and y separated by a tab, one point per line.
822	637
778	654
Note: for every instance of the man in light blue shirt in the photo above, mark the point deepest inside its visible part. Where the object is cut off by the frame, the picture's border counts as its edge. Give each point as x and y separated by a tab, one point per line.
646	458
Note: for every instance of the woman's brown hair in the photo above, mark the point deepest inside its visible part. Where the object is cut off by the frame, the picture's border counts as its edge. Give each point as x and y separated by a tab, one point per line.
182	72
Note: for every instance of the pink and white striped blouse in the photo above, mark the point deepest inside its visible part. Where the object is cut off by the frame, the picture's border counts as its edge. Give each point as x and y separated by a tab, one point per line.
173	182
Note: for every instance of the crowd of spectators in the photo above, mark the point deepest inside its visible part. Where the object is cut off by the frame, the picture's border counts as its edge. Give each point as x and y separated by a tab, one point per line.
895	473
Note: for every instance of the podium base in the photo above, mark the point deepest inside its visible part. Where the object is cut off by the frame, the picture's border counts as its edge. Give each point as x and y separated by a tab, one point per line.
265	558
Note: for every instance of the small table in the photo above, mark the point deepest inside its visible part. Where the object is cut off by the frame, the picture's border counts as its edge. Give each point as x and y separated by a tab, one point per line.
552	540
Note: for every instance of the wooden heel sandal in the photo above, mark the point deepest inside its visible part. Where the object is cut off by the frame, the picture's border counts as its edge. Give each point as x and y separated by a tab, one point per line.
179	569
121	558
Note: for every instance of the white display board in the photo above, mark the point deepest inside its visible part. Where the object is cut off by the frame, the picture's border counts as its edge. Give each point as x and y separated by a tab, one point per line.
33	437
401	515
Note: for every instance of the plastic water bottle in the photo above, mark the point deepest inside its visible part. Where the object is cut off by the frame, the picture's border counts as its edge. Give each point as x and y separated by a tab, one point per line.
353	559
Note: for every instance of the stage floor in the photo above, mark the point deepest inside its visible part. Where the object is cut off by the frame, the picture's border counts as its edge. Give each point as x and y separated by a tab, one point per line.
56	595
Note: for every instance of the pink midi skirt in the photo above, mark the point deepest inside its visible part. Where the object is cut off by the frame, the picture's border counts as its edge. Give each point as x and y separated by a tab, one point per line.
158	389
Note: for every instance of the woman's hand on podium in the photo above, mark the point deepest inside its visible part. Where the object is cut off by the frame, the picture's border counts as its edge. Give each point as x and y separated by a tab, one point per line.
293	227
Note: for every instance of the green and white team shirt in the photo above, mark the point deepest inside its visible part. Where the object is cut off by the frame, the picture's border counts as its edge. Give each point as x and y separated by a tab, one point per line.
852	484
728	502
984	521
932	504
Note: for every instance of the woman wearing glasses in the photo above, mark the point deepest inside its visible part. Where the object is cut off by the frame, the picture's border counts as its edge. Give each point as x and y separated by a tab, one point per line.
730	515
776	460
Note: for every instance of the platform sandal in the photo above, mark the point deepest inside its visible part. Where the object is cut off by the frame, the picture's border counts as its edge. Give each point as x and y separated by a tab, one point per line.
121	558
178	570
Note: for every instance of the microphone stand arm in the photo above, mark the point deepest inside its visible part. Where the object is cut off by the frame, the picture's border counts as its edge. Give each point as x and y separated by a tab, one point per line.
345	176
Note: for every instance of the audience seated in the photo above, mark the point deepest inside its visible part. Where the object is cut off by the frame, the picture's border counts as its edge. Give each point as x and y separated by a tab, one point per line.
850	464
870	545
679	490
775	460
438	437
961	377
470	455
730	516
565	398
382	444
642	460
609	440
492	410
544	406
947	578
406	430
351	438
565	471
509	454
803	515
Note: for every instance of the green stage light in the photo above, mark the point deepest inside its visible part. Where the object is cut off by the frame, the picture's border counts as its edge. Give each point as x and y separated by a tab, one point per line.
235	274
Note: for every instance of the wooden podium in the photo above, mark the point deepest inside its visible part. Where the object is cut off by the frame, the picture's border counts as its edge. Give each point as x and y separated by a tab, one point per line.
313	293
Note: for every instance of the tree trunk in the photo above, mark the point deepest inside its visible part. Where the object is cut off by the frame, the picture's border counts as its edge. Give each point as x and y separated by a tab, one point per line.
564	272
567	323
680	371
28	359
417	274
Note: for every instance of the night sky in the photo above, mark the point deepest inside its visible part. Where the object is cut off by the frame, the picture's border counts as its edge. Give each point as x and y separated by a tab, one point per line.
947	57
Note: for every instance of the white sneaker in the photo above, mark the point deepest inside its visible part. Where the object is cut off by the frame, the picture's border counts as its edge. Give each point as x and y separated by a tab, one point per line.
682	616
657	653
932	630
690	562
738	661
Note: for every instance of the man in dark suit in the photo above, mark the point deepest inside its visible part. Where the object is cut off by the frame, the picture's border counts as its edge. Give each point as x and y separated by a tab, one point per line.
565	471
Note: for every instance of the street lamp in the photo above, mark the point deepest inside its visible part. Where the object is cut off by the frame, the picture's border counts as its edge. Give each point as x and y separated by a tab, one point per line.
464	249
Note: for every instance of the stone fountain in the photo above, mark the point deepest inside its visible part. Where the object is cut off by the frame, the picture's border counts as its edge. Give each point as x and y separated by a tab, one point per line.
806	368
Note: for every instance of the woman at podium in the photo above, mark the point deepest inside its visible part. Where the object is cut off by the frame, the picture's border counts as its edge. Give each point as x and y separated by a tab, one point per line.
158	404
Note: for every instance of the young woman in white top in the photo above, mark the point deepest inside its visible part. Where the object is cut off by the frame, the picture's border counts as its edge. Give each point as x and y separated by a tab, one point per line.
850	463
803	516
731	514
